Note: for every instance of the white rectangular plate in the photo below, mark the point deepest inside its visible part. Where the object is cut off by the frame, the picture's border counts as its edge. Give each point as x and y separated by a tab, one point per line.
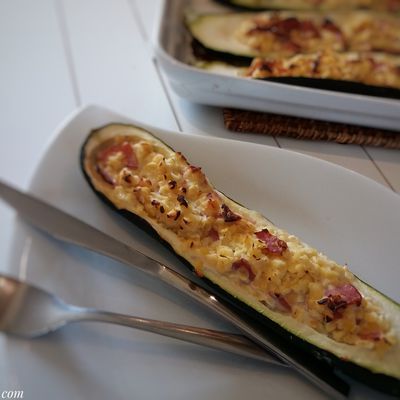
349	217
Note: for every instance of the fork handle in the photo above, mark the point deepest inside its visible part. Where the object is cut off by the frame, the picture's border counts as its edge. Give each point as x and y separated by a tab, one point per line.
229	342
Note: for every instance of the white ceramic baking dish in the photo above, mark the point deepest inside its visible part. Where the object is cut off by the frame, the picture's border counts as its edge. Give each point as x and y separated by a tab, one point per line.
173	52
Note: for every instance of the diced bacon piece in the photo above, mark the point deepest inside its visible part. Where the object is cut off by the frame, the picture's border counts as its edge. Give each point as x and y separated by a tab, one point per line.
341	297
273	244
103	156
348	293
124	148
244	264
213	234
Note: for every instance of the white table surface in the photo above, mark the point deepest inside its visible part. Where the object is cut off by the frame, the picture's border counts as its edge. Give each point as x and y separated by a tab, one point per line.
57	55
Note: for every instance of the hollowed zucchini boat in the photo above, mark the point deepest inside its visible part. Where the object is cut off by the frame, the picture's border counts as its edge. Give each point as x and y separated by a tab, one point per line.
288	33
282	282
323	5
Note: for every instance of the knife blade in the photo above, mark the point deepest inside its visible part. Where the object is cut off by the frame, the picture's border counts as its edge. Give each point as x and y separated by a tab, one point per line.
65	227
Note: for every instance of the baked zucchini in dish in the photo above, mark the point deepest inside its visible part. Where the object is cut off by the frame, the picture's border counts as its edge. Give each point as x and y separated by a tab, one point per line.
287	285
323	5
373	74
370	69
288	33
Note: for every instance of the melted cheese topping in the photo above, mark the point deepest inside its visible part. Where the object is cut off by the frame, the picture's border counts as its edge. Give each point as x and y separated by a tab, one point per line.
213	232
288	34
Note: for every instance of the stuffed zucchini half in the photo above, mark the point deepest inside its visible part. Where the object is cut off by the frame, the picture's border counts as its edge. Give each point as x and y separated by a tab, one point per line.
323	5
373	74
373	69
291	287
287	33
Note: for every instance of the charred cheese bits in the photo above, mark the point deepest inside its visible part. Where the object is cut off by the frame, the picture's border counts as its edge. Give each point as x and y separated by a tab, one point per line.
284	33
287	283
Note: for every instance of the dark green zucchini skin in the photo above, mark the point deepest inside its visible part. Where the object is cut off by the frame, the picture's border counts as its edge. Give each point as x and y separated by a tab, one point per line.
321	362
340	86
203	53
239	7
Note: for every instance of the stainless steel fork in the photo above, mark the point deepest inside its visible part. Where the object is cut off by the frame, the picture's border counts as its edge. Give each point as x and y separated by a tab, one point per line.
28	311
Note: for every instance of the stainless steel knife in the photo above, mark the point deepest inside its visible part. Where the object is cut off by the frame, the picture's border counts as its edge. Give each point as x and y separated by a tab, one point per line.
67	228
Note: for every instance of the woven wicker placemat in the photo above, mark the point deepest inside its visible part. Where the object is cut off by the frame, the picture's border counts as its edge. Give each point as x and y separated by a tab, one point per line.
309	129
